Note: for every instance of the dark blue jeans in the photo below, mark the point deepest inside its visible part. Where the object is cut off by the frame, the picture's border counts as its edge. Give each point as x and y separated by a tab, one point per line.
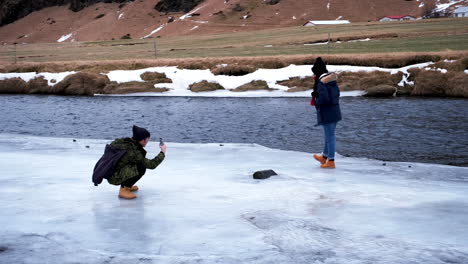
330	140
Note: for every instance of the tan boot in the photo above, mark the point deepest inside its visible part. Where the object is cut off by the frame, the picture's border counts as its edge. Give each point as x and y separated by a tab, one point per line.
320	158
134	188
126	194
330	164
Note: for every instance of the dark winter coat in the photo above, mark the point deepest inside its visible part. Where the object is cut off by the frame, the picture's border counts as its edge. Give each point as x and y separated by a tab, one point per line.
327	101
135	158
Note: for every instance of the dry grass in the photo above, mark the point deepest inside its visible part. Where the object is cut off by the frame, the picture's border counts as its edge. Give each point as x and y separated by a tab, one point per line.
459	65
13	86
132	87
459	84
438	84
253	86
233	70
386	60
38	85
155	77
350	81
205	86
81	83
382	90
406	90
297	84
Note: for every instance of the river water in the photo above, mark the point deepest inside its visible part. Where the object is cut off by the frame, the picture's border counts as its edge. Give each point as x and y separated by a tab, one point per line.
400	129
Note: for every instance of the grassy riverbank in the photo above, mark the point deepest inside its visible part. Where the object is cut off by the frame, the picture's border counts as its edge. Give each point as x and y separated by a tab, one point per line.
410	37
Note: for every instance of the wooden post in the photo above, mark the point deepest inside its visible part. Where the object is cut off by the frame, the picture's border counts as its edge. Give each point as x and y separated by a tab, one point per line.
15	51
328	43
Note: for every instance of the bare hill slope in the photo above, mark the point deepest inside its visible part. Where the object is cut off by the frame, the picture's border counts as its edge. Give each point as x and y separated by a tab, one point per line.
140	19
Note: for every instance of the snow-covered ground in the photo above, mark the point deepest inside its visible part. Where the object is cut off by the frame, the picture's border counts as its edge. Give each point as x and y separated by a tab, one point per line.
441	7
329	22
202	206
154	31
65	37
183	78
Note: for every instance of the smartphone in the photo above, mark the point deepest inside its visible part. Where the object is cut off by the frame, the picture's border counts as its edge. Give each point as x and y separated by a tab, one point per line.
161	143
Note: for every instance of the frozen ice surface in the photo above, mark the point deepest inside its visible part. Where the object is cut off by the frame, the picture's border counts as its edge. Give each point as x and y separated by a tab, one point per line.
202	206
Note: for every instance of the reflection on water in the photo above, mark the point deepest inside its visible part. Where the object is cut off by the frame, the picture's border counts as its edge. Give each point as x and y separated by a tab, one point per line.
401	129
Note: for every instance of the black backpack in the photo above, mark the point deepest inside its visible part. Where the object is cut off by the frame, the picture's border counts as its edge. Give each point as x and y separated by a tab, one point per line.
105	167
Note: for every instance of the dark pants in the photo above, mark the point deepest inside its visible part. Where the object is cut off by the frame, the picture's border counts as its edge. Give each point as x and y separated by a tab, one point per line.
130	182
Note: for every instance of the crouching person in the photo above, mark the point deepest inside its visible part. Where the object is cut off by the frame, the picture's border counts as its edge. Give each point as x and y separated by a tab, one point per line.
132	166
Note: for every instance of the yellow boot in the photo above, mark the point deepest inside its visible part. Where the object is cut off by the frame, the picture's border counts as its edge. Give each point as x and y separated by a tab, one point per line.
134	188
330	164
320	158
125	193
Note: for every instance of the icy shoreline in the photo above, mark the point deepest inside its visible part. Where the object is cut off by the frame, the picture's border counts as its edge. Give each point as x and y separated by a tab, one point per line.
201	206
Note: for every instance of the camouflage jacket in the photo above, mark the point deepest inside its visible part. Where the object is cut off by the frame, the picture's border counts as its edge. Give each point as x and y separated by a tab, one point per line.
127	167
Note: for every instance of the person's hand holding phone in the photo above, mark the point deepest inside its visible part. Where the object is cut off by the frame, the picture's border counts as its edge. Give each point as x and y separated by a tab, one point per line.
162	146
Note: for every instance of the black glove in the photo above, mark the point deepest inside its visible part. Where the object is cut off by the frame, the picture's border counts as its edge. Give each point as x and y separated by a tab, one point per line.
315	94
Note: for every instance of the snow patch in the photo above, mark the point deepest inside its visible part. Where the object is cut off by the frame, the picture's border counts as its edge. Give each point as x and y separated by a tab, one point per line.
195	27
314	44
329	22
437	69
183	78
189	14
154	31
442	7
360	40
406	74
121	16
65	37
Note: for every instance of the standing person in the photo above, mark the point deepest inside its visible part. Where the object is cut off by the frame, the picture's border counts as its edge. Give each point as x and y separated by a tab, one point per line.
132	166
325	97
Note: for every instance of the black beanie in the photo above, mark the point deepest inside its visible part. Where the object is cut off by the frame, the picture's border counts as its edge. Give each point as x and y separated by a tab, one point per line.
140	133
319	67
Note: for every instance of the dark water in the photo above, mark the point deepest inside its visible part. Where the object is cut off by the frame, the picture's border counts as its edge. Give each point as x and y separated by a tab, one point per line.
403	129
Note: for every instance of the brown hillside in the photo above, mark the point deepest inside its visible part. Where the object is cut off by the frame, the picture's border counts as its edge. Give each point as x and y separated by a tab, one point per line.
139	18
